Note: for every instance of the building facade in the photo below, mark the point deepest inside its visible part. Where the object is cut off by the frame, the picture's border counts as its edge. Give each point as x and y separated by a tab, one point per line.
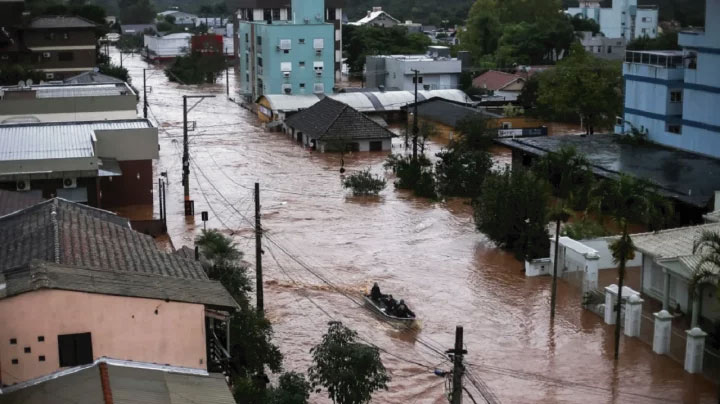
625	19
377	18
603	47
397	72
673	96
294	56
274	11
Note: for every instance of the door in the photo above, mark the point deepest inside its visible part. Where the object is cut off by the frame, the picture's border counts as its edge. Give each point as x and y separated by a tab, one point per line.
376	146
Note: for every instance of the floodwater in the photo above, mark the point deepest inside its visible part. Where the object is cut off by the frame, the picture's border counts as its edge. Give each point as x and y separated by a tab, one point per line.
425	252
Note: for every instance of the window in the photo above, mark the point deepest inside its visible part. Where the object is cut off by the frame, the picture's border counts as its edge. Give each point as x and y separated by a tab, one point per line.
275	14
643	30
66	35
419	80
676	129
301	63
50	35
75	349
247	58
259	40
301	41
41	358
15	361
49	76
267	14
247	37
259	62
13	341
609	49
65	56
247	78
302	85
507	125
41	338
676	96
318	88
27	349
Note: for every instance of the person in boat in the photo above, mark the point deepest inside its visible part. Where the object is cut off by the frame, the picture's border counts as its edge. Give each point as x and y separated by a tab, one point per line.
390	304
402	310
375	293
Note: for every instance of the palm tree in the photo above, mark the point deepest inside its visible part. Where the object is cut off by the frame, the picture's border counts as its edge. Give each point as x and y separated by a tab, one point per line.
628	200
707	268
570	178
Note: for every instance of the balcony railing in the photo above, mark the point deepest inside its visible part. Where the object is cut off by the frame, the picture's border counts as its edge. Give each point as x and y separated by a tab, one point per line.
668	61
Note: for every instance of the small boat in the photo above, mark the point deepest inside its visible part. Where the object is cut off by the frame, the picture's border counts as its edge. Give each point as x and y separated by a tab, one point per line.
379	308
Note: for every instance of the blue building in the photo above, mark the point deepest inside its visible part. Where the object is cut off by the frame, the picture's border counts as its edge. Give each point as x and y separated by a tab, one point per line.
295	55
674	96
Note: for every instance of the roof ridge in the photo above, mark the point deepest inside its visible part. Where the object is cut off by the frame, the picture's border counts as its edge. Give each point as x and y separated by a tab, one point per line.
664	231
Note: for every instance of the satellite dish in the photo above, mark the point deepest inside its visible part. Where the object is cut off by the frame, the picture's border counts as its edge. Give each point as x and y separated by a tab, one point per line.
21	83
29	82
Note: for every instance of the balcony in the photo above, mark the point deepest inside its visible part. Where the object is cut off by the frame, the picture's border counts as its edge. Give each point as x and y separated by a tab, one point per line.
664	65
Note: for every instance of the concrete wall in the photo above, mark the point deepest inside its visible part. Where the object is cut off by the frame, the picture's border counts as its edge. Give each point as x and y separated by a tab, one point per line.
437	74
127	144
121	328
606	261
134	187
71	108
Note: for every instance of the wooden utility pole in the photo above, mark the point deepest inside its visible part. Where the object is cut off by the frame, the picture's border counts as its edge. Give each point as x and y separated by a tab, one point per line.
258	253
227	82
458	368
145	103
415	118
553	292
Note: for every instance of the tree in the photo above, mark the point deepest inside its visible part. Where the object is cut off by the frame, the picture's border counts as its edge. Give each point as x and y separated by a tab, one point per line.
582	24
361	41
664	41
114	71
628	200
512	212
196	68
350	371
136	11
364	183
570	178
416	175
10	75
292	389
584	87
707	269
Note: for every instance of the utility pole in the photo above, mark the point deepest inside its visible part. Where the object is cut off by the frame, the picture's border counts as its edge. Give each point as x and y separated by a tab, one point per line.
227	82
258	253
145	103
415	118
458	368
189	210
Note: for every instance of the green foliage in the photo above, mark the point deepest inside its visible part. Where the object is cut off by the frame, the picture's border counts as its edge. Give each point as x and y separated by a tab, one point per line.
664	41
136	11
569	175
580	24
251	348
196	68
349	370
114	71
584	229
708	246
164	26
10	75
462	172
364	183
512	212
534	43
292	389
581	87
630	200
474	133
416	175
447	14
360	41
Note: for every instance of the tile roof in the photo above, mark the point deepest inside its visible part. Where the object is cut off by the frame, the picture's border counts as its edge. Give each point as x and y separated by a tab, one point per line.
671	243
329	119
129	382
59	21
57	140
372	15
78	235
494	80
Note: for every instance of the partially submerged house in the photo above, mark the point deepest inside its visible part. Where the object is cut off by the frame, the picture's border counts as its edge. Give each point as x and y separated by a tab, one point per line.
330	125
506	86
80	285
166	47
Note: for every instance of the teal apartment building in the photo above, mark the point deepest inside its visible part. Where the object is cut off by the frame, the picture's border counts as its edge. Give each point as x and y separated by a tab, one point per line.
294	55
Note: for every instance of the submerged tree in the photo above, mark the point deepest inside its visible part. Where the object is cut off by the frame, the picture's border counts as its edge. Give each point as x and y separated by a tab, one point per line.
628	200
364	183
570	178
196	68
349	370
292	389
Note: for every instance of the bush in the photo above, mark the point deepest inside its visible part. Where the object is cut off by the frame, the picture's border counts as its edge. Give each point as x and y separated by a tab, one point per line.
364	183
584	229
292	389
461	173
416	175
512	212
10	75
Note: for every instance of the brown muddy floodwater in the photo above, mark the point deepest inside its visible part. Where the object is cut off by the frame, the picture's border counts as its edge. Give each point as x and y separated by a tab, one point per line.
425	252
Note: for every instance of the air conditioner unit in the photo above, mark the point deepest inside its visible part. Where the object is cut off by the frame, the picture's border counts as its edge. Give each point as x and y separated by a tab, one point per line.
47	55
287	88
22	185
286	74
70	182
318	52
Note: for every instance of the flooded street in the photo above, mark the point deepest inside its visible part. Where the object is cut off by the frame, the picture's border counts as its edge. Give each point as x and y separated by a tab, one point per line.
425	252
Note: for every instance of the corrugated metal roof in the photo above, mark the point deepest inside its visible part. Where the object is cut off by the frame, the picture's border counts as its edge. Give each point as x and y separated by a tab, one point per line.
359	101
93	90
363	101
61	140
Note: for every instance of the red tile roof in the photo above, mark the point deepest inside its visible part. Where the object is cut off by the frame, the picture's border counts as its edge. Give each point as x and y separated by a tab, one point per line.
494	80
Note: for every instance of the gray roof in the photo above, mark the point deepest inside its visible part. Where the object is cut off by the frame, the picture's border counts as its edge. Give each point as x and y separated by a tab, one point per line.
58	244
11	201
57	21
56	140
129	382
684	176
329	119
671	243
136	29
92	78
447	112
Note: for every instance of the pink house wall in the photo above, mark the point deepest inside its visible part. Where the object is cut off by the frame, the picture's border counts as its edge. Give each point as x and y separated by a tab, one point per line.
121	327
